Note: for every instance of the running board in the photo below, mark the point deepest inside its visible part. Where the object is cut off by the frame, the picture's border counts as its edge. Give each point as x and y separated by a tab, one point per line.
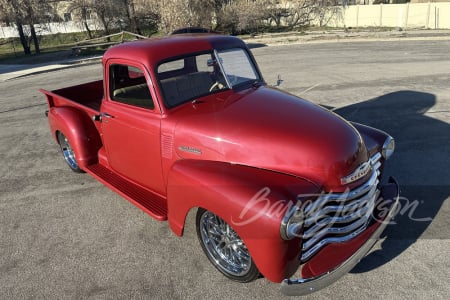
152	204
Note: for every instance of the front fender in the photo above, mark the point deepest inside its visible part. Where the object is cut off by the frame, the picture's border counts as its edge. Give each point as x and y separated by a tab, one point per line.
79	129
251	200
373	138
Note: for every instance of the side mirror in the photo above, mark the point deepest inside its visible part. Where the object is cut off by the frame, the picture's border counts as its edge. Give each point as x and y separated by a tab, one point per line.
279	80
210	62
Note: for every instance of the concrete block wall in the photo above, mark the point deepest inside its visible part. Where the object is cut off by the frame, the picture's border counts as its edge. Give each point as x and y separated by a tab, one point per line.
432	15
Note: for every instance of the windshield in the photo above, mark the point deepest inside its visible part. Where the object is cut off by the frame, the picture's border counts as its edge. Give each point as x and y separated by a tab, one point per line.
237	66
194	76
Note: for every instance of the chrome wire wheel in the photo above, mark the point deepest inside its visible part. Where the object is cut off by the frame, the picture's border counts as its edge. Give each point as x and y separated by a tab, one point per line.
68	153
224	248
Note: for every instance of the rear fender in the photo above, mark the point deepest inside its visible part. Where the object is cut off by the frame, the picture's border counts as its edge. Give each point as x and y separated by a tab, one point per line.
79	130
251	200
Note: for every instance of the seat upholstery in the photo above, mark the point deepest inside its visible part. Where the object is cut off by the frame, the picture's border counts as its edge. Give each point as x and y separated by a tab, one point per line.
185	87
138	95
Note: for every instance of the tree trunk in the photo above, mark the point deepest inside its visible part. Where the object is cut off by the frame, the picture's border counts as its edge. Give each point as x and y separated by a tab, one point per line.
35	39
87	29
134	21
105	26
84	17
23	39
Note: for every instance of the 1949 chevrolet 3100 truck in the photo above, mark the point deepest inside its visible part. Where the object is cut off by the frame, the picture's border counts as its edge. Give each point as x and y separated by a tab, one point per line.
283	188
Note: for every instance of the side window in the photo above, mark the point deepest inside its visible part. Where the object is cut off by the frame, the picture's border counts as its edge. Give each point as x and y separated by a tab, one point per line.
204	63
128	85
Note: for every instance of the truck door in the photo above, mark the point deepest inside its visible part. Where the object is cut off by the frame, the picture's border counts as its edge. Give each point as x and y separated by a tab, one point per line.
131	126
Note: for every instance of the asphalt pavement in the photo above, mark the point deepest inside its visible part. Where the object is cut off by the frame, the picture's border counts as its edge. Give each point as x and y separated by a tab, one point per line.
65	235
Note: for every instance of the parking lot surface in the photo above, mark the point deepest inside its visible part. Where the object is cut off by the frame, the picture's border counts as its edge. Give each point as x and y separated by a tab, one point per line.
64	235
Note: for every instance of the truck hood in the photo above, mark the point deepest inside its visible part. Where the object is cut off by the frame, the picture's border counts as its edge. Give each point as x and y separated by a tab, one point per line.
269	129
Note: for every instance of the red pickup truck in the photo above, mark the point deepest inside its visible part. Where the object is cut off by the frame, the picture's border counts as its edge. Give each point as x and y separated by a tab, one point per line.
282	187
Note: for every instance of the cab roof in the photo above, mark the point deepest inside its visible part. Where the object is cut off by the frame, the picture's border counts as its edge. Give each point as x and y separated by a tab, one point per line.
154	50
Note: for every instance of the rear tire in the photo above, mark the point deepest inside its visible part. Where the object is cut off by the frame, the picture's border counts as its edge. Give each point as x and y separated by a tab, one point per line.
224	248
68	153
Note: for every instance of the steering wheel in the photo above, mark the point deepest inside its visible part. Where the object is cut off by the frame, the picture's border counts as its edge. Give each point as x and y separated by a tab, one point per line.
216	86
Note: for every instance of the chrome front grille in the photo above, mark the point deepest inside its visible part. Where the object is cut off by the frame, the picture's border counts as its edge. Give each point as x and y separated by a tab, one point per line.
339	217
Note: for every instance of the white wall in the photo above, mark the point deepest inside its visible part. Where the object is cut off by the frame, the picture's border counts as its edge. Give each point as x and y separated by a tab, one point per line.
410	15
51	28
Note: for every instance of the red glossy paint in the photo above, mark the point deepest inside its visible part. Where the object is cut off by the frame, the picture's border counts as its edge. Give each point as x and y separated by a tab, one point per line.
269	129
227	190
216	153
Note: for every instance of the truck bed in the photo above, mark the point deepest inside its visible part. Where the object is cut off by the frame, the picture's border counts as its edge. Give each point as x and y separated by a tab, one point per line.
88	94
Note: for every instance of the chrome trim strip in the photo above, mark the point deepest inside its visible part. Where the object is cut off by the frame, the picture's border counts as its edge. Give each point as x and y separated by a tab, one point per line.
306	255
346	196
376	157
360	202
313	233
364	216
305	286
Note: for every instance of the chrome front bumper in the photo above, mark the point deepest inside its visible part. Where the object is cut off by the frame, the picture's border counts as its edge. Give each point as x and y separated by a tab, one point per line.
304	286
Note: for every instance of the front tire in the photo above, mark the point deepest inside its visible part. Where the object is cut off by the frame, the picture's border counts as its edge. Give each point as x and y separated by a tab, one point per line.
224	248
68	153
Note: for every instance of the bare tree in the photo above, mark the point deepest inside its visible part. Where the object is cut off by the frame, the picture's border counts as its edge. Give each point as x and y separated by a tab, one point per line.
142	14
326	10
105	12
108	12
184	13
218	12
12	14
130	12
242	16
276	12
147	15
301	13
81	9
25	14
201	12
174	14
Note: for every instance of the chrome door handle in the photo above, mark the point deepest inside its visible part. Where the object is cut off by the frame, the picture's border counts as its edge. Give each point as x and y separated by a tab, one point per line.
106	115
99	117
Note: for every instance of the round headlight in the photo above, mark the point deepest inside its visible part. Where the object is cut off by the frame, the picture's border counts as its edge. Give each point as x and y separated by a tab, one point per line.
388	147
292	223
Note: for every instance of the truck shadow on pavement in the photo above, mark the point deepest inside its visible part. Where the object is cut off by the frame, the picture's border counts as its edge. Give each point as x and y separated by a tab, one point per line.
420	164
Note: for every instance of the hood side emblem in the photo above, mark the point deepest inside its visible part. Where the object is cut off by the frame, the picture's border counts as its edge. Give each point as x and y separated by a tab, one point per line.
360	172
190	150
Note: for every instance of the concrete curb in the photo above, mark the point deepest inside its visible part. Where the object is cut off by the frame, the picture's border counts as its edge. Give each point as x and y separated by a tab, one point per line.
31	70
346	36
